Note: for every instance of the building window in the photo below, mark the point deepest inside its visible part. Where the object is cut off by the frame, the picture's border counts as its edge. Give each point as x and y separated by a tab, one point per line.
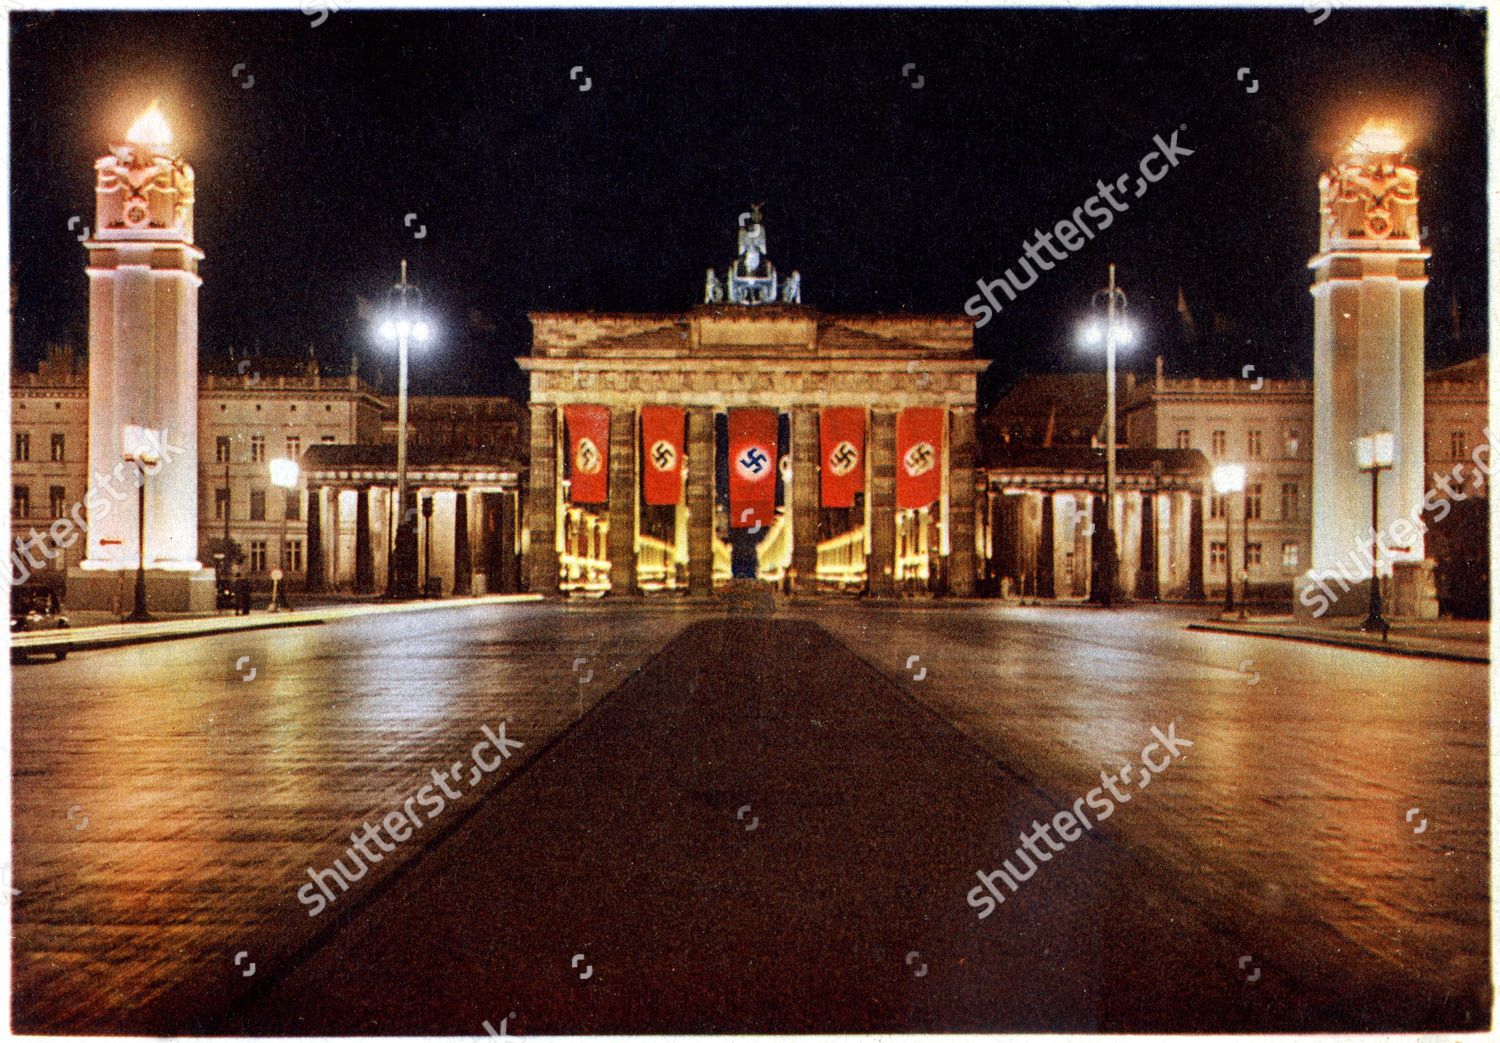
293	446
257	505
20	501
23	446
1252	444
1458	445
1216	505
1289	501
221	449
1216	555
257	448
1220	443
1252	555
59	447
328	439
1293	442
1252	501
294	555
57	501
221	504
1290	554
1184	437
257	555
293	505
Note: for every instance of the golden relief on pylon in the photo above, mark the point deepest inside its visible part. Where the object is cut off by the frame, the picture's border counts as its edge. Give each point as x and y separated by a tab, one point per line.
142	185
1370	192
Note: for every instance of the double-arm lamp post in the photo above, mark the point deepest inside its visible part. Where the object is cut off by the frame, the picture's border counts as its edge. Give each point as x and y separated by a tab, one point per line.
1375	453
1114	332
403	323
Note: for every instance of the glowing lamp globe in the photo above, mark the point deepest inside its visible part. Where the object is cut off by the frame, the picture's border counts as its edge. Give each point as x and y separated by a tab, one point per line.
140	444
284	473
1229	478
1375	451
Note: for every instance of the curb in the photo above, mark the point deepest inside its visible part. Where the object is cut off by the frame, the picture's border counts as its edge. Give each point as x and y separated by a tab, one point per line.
1341	642
118	635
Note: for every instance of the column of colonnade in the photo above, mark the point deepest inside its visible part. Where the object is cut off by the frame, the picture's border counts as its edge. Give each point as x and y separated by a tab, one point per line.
623	487
805	501
700	500
961	502
542	564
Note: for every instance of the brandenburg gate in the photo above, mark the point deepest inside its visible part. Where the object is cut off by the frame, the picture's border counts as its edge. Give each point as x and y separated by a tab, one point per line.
752	438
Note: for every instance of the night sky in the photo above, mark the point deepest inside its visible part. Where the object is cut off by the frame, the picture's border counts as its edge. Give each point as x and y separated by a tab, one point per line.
539	196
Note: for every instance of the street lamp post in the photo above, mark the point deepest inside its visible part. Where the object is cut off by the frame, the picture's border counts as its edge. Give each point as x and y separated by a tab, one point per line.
404	324
1375	453
427	552
1228	479
138	450
284	475
1116	332
1245	553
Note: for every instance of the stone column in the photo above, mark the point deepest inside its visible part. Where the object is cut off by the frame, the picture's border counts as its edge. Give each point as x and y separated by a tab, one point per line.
1046	552
541	503
805	498
1148	580
1006	557
314	580
881	567
463	563
622	496
364	562
961	502
1195	546
700	501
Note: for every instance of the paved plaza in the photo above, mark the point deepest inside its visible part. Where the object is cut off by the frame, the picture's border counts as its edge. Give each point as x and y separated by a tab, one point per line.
749	816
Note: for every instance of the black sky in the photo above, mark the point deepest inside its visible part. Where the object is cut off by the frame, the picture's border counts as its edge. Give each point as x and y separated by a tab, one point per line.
537	195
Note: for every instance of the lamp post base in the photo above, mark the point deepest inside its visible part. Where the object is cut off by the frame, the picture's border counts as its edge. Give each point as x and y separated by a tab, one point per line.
404	576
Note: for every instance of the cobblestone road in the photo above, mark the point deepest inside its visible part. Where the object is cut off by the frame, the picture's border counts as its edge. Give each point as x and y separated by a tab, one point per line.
167	809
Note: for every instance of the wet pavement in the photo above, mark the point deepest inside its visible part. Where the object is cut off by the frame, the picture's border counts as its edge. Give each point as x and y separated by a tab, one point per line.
772	827
167	798
1335	806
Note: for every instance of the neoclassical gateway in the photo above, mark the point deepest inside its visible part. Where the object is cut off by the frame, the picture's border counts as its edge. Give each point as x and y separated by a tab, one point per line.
751	437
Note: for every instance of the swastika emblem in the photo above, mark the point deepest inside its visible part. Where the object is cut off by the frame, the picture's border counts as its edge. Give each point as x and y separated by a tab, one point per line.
843	459
753	464
663	455
587	459
919	459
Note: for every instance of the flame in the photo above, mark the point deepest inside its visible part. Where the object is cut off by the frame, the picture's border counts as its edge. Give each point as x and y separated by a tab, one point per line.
1378	138
150	129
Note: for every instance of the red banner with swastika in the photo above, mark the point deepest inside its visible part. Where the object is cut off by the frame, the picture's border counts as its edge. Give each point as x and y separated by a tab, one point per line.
588	453
841	431
661	438
919	457
752	468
